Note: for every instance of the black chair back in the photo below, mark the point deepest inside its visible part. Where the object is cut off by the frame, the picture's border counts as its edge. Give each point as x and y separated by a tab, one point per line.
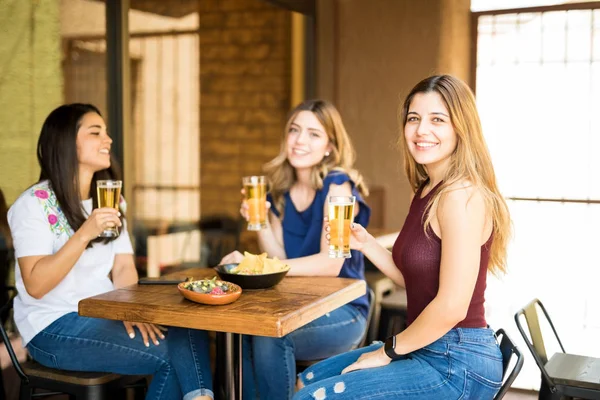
5	263
508	348
5	310
536	344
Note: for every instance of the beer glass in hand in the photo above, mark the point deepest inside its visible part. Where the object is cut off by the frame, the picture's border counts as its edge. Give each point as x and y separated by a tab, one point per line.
341	215
255	188
109	194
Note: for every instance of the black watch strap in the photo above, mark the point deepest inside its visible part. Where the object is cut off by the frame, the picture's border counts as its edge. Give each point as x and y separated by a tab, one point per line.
390	344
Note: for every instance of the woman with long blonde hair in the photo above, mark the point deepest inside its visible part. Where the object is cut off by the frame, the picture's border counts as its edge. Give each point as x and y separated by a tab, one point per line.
456	231
316	161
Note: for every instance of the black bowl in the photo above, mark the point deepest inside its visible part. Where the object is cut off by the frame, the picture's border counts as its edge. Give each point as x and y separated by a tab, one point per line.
262	281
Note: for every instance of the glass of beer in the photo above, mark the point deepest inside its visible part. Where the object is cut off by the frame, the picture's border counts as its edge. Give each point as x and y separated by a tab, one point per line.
341	215
256	197
109	194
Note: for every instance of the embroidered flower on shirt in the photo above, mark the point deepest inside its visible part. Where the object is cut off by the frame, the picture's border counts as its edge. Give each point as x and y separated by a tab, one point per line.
55	217
41	194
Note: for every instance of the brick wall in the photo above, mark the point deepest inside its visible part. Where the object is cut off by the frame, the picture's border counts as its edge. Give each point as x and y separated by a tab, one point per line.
245	92
30	87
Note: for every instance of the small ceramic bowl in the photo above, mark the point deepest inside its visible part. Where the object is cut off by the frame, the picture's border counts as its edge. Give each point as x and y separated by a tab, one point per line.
229	296
261	281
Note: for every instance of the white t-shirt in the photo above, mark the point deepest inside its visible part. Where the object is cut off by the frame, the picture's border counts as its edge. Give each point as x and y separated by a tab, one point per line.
38	228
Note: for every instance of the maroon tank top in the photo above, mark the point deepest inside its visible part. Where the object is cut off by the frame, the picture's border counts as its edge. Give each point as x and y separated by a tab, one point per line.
418	257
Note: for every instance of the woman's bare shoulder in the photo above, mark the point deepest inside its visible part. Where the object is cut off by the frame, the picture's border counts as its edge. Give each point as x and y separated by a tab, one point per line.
463	194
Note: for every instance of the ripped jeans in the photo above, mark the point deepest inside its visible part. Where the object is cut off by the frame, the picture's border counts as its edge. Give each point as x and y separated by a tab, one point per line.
465	363
270	363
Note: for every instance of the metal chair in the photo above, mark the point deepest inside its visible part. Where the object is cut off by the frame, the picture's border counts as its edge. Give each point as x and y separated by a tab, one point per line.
563	375
508	348
301	365
77	385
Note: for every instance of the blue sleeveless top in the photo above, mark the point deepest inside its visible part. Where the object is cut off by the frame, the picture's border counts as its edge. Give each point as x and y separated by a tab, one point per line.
302	230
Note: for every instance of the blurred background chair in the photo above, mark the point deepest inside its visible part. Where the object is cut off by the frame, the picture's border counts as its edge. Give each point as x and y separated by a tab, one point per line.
170	247
508	349
220	235
382	286
563	375
39	381
392	317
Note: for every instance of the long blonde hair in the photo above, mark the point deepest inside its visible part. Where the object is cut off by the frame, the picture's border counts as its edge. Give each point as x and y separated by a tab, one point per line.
470	161
281	174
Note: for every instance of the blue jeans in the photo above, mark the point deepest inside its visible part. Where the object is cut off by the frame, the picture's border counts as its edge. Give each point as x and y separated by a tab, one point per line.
463	364
274	359
180	364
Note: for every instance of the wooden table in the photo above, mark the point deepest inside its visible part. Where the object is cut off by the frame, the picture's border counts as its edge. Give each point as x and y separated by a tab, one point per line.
273	312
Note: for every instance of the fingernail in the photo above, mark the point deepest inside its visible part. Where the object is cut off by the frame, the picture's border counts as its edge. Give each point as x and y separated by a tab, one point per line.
162	336
132	335
147	344
156	343
118	213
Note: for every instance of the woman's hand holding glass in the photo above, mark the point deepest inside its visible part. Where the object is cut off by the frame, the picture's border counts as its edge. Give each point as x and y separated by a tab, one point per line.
358	235
99	220
245	207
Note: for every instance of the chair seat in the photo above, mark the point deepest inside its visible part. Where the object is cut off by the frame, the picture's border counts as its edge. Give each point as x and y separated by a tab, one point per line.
574	370
34	369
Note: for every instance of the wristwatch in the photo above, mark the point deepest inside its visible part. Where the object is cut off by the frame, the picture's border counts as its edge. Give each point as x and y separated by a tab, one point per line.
390	344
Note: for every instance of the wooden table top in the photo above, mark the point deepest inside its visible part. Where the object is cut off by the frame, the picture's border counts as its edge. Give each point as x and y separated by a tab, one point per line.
574	370
273	312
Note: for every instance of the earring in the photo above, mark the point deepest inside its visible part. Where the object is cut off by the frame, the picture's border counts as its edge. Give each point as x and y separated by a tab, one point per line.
326	154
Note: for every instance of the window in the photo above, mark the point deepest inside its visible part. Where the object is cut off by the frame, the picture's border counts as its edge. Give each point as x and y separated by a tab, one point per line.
538	92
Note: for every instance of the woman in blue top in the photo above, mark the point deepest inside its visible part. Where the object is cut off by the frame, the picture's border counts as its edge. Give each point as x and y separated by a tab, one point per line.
316	161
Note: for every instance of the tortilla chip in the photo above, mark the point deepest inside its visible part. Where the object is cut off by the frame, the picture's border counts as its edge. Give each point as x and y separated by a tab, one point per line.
253	264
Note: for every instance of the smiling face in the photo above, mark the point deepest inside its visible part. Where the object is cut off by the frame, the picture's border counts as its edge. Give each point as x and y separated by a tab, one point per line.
429	134
307	141
93	143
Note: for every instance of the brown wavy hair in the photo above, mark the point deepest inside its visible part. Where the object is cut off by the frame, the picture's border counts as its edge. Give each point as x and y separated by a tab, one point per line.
57	156
470	161
281	174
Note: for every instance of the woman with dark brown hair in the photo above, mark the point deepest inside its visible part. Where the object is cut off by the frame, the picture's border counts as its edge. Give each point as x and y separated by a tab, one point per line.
60	259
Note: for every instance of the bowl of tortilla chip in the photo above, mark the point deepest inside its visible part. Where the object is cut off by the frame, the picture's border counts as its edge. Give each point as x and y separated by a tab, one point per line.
254	271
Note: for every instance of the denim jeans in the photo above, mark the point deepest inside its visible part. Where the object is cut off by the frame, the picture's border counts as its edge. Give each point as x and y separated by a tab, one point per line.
180	364
466	363
274	359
